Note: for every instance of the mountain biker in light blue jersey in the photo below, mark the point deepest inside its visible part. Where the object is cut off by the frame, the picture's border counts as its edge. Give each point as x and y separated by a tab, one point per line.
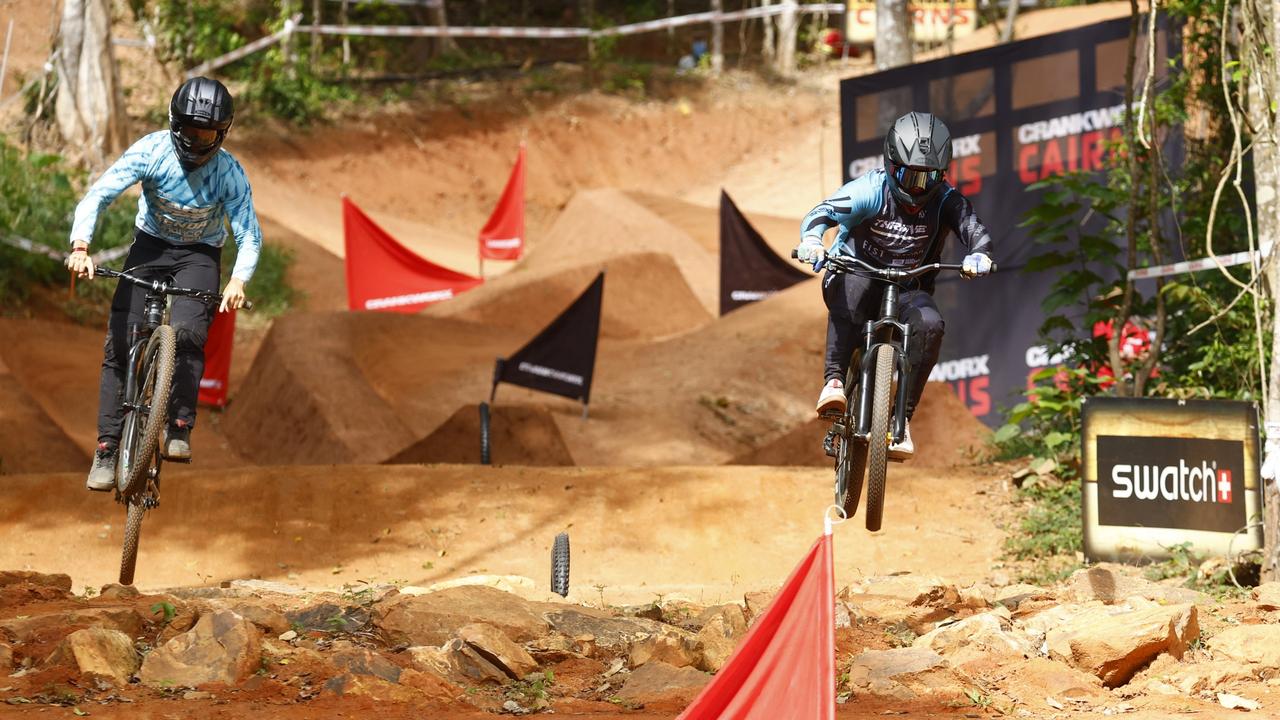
899	216
194	194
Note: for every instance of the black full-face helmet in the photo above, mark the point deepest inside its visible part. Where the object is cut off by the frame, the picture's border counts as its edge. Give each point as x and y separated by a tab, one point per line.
917	151
200	114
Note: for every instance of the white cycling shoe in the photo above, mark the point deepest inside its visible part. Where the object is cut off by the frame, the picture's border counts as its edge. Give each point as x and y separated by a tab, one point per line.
905	449
832	401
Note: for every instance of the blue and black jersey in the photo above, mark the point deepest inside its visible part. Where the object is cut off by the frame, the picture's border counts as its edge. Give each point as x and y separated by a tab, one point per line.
181	207
876	229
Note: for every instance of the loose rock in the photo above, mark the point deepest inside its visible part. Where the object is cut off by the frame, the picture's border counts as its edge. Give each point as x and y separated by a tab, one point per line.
1110	584
1114	642
22	630
673	646
1267	596
99	653
657	679
498	649
222	647
57	581
720	635
435	618
1257	644
362	661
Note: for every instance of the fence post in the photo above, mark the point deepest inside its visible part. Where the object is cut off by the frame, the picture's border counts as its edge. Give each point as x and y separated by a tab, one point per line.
346	39
315	34
286	43
717	36
4	63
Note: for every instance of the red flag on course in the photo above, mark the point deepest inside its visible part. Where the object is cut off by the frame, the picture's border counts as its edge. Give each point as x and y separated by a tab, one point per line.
786	665
382	274
217	359
503	236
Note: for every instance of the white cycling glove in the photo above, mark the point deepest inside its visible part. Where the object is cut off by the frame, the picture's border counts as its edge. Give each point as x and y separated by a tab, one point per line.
810	251
975	265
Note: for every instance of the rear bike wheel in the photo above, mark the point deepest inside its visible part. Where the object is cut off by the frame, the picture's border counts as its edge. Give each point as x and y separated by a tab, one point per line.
132	533
878	442
143	424
485	438
560	565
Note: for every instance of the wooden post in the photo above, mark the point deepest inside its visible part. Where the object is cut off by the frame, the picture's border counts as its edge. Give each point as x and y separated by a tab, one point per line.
315	35
286	43
717	36
4	63
346	40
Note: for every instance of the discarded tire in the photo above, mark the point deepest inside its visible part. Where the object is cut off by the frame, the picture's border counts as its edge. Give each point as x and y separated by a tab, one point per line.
560	565
484	433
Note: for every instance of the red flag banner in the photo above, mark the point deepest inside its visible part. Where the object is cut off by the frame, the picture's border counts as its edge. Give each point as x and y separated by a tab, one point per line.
382	274
503	236
786	665
217	359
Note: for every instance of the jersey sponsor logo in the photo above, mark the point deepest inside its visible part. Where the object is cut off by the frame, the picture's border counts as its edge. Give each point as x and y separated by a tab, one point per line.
179	222
543	371
412	299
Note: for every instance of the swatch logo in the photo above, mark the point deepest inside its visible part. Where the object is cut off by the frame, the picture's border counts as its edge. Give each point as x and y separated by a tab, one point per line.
1195	483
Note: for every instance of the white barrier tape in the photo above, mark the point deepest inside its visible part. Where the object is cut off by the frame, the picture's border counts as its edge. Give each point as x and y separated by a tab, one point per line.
290	26
438	31
34	248
1198	265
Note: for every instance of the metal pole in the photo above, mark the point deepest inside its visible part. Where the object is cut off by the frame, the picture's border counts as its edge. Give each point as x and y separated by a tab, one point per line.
717	36
4	63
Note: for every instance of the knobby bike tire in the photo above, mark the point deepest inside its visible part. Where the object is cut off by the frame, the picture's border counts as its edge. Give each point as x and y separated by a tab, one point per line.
878	442
485	438
560	565
139	443
132	533
851	469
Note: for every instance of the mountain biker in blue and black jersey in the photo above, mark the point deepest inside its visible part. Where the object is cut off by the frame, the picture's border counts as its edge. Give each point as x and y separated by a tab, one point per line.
898	216
194	194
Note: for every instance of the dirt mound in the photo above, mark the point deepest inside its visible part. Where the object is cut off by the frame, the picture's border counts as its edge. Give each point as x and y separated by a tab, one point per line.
944	431
30	441
702	222
519	435
58	366
645	297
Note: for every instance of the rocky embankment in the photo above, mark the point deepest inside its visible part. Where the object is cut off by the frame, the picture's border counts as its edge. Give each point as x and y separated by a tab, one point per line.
1106	642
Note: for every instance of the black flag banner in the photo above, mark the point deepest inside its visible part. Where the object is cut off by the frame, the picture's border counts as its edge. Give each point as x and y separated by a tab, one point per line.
561	359
1019	113
749	269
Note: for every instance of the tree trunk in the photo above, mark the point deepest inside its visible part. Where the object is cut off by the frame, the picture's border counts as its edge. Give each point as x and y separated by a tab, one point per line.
893	34
1266	174
90	107
315	36
769	51
788	30
717	37
1007	34
444	44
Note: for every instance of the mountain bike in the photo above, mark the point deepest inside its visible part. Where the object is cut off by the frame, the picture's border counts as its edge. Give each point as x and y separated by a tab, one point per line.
147	386
875	389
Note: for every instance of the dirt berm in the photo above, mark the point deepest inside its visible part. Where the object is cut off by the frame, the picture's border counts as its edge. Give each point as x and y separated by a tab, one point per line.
518	435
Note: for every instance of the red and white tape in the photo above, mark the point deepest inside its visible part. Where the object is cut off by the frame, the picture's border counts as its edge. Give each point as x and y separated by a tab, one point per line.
441	31
21	243
290	26
1198	265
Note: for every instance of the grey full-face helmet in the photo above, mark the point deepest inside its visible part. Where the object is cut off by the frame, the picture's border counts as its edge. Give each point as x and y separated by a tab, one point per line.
200	114
917	151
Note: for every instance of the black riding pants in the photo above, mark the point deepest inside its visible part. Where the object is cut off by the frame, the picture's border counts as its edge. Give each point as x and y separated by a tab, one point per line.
852	300
196	266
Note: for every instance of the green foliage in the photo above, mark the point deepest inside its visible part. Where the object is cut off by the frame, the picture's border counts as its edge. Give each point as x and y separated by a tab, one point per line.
269	290
165	609
38	197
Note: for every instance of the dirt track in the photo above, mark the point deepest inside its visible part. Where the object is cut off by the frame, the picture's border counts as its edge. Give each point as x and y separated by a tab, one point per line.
707	533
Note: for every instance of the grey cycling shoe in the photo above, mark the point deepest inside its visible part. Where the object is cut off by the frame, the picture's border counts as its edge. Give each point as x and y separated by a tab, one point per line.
177	443
102	475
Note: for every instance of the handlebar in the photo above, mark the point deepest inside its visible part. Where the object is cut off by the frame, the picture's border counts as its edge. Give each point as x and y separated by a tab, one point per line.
165	288
847	263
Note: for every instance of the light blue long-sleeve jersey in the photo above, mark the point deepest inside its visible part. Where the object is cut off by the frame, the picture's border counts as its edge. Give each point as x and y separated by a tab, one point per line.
178	206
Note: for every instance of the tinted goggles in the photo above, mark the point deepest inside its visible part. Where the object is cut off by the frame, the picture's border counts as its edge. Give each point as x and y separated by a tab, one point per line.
198	137
917	180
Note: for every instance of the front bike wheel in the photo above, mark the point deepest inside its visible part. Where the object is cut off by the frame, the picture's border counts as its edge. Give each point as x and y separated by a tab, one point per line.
144	423
878	442
132	533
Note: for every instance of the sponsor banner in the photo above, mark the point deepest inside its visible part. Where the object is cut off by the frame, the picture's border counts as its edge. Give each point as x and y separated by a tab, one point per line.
502	237
217	359
562	358
1019	113
1157	473
382	274
931	19
750	270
